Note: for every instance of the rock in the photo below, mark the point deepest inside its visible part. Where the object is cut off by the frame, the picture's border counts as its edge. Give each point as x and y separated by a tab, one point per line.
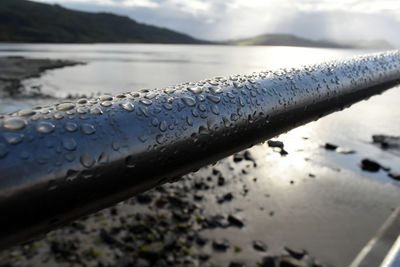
228	197
259	245
283	152
176	201
215	172
387	141
144	198
142	263
201	241
237	157
270	261
204	257
114	211
107	238
394	175
370	165
237	264
297	254
169	240
217	221
63	249
198	197
180	216
346	151
292	262
221	244
78	226
235	220
272	213
277	144
221	181
330	146
247	156
152	252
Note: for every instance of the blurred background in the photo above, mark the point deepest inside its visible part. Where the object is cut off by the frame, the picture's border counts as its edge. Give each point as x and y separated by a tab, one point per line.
308	201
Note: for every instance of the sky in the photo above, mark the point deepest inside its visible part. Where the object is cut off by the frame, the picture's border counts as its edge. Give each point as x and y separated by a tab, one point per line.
233	19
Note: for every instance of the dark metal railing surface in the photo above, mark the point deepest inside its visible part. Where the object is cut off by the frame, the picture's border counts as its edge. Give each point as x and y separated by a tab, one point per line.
60	162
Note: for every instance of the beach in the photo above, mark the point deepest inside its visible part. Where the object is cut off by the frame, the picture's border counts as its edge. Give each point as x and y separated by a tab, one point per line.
306	199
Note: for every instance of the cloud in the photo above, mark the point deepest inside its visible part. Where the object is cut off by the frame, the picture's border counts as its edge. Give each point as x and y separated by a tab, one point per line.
229	19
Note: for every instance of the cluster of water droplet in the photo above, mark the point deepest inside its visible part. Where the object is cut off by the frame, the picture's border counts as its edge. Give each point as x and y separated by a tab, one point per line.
88	131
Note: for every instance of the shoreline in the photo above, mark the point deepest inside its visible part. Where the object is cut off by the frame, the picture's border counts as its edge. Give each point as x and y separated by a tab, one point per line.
15	69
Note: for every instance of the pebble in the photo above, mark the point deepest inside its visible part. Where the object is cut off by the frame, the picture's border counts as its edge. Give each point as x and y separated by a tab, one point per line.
394	175
278	144
386	141
370	165
237	264
237	157
259	245
221	244
235	220
330	146
295	253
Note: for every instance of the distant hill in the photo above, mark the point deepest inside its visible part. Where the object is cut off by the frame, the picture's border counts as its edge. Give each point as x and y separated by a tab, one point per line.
25	21
292	40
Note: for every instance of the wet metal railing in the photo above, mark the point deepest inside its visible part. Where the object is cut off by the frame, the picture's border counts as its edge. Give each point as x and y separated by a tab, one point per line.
60	162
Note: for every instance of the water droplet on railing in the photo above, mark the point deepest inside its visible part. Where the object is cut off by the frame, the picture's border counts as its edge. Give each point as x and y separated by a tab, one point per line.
26	112
163	126
88	129
116	145
195	90
96	110
189	101
71	126
14	124
103	158
65	106
160	139
214	109
106	104
45	127
81	101
58	116
154	122
105	98
13	138
130	162
237	85
143	138
146	102
69	143
189	121
213	98
128	106
82	110
87	160
167	106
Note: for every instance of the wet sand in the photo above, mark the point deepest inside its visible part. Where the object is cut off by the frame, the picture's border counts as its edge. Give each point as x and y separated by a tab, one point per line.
252	209
14	69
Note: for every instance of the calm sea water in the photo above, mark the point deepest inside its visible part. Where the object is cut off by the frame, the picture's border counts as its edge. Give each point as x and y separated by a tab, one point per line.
126	67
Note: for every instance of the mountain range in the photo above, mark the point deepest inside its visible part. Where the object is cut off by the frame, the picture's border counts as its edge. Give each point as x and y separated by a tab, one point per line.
32	22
